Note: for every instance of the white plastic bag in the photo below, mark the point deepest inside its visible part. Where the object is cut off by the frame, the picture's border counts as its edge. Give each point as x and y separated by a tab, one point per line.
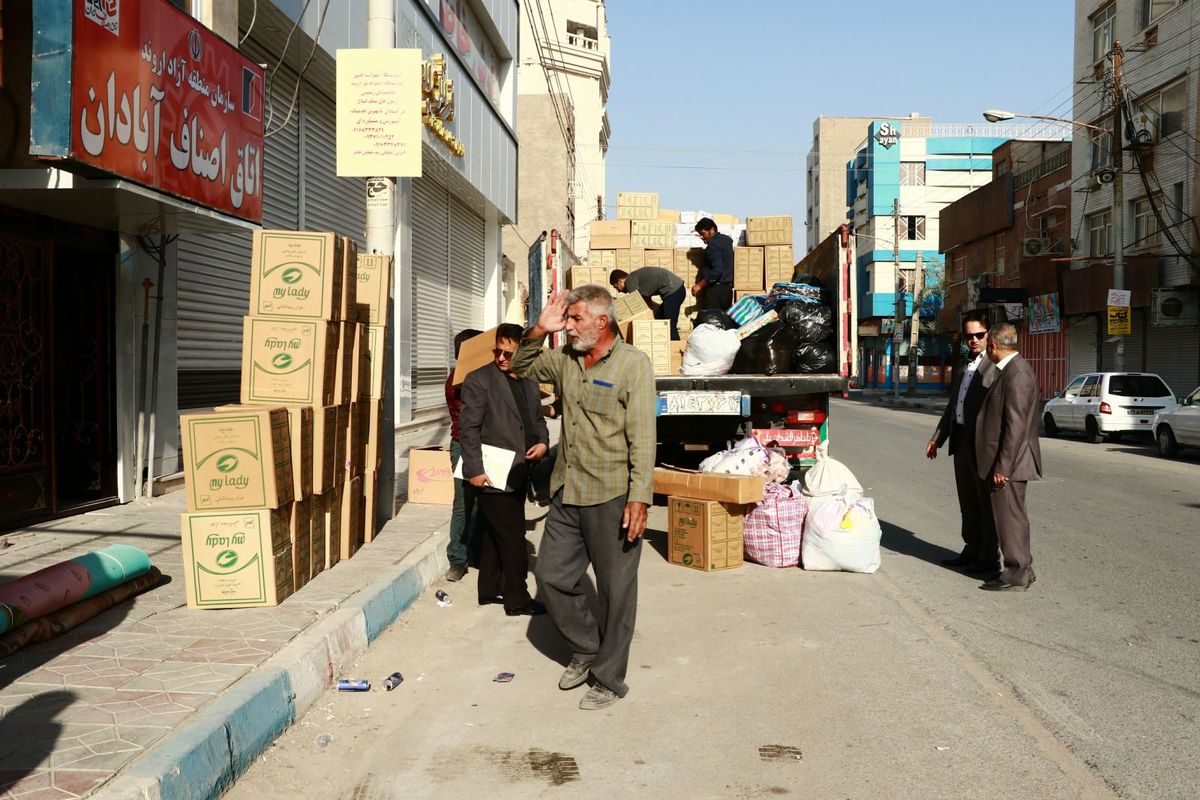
828	477
710	351
746	457
841	533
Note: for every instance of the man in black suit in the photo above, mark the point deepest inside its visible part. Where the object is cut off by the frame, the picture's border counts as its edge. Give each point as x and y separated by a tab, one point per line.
504	411
972	378
1009	455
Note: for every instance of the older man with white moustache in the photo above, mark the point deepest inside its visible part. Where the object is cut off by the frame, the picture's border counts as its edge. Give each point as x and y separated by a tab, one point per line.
601	487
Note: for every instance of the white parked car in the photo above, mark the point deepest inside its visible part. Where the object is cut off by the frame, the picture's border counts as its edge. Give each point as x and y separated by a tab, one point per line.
1107	405
1179	427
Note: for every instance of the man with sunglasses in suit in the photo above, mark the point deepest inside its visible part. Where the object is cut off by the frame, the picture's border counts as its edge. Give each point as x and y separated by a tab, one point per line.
503	410
972	379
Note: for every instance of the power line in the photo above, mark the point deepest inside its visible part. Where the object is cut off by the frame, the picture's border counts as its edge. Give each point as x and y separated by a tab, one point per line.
300	77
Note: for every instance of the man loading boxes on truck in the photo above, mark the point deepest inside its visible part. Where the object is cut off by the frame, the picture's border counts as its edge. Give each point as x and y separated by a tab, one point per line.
650	282
715	287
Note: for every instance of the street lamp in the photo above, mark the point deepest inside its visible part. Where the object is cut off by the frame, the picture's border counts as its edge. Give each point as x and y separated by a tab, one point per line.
1118	197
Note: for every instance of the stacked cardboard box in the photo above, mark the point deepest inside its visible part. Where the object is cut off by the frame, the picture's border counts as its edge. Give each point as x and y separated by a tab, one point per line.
768	231
652	235
777	264
583	274
312	365
637	205
748	268
240	484
705	516
652	337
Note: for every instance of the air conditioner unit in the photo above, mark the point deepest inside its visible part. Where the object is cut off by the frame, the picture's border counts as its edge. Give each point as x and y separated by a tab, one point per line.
1145	127
1038	246
1175	307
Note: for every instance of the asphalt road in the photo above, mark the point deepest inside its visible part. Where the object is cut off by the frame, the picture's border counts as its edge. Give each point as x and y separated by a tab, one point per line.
910	683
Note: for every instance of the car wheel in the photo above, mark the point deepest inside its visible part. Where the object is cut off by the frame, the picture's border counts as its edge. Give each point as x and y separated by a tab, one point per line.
1092	431
1051	425
1167	446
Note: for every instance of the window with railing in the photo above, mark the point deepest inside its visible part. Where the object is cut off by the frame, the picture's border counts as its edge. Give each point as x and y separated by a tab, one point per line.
1102	31
1151	10
912	173
580	35
1167	108
1100	234
1145	222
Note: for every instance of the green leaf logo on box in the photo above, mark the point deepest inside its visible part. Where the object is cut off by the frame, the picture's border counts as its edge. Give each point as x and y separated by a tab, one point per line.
227	463
226	559
291	275
281	361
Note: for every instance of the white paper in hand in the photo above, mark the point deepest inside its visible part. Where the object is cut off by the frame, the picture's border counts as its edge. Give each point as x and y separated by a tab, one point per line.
497	463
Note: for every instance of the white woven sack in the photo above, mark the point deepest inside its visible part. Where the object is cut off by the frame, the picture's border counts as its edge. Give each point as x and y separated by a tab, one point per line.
710	351
828	476
841	534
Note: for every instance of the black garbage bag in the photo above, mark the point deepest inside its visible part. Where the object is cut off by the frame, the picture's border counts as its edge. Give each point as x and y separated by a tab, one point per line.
809	322
717	317
766	352
814	357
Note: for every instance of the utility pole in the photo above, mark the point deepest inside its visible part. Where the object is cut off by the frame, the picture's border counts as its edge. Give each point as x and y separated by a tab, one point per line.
913	337
898	328
1118	192
381	240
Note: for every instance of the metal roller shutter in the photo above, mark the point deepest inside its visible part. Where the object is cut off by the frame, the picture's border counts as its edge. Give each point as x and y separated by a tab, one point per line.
1135	346
330	203
214	275
467	272
1081	347
431	292
1174	354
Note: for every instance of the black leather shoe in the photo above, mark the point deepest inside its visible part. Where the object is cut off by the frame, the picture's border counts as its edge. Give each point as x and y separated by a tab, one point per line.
960	560
487	601
998	585
531	609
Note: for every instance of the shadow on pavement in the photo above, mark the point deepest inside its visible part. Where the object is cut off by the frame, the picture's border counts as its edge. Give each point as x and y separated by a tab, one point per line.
658	540
542	634
905	542
28	734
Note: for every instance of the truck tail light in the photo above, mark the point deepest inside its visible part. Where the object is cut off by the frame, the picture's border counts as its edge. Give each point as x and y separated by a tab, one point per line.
1105	408
810	417
778	408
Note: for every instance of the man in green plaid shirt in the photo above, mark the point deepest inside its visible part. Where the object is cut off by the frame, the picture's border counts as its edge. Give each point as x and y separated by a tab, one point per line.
601	486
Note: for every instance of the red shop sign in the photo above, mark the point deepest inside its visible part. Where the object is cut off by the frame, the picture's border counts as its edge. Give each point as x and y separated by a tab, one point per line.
160	99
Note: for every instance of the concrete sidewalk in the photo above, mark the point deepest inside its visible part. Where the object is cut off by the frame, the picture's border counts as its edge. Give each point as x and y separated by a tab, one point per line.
151	699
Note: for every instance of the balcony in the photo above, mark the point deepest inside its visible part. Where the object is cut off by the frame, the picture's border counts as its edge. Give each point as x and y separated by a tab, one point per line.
579	40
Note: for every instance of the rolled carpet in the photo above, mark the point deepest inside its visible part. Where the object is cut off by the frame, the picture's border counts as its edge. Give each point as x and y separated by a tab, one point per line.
67	582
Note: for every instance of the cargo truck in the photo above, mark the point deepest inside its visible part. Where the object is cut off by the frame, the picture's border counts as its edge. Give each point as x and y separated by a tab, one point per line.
698	415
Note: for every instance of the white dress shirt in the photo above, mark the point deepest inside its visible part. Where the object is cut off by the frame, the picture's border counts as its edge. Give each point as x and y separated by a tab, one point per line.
968	376
1002	363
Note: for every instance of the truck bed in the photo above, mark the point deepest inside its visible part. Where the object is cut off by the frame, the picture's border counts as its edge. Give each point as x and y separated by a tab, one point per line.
754	385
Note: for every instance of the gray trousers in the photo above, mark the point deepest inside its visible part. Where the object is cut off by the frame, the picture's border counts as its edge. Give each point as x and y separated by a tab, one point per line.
574	537
1012	526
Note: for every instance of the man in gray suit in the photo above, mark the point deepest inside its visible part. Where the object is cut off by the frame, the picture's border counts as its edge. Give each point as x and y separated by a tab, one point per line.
1006	437
972	378
503	410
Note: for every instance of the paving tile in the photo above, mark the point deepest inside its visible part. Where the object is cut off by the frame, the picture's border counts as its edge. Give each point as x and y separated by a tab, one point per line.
228	651
19	782
187	676
79	782
74	670
141	708
51	744
135	645
23	703
102	747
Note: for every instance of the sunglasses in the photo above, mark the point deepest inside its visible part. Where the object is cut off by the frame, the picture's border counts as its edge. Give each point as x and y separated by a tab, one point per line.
979	335
506	354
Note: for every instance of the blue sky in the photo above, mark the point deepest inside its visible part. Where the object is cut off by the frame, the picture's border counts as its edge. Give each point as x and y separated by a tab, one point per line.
704	75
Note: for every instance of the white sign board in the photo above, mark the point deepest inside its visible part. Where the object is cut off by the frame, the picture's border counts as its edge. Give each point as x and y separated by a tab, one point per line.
1119	297
379	113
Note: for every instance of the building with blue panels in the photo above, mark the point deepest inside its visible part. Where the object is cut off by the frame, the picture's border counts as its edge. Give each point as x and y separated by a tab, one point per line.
898	182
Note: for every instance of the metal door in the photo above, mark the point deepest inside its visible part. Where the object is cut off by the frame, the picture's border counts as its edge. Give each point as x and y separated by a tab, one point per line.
431	319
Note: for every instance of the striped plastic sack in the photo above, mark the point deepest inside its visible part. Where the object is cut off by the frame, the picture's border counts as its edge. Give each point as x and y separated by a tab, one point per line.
745	310
771	531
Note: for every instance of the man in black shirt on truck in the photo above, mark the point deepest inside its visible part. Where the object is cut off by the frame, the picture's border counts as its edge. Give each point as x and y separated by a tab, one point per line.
715	287
652	282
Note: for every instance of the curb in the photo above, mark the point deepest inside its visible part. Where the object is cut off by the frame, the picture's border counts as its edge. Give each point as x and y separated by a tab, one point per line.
203	757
